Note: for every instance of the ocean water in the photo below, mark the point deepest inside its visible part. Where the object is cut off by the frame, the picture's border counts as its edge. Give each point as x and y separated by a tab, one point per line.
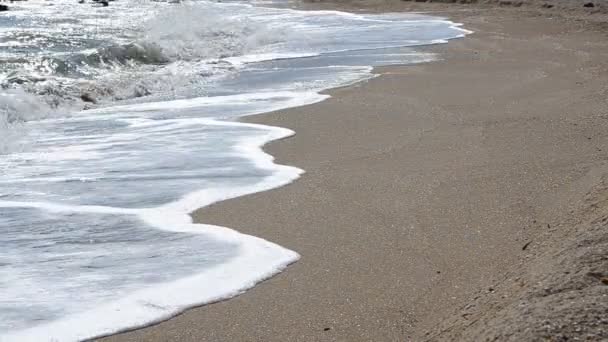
95	232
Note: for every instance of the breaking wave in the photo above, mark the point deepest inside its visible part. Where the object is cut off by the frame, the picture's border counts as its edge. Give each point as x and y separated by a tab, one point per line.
170	53
190	32
16	108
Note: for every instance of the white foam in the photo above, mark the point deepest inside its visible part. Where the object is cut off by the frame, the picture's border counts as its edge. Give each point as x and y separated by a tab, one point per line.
162	302
275	100
257	260
261	57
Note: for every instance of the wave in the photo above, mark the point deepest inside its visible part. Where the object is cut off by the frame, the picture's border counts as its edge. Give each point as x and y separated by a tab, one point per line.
159	51
194	32
17	107
172	52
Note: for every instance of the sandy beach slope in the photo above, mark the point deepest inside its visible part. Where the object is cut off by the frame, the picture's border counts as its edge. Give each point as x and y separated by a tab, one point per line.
463	199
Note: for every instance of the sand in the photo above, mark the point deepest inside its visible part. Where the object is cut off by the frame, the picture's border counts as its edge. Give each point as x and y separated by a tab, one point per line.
463	199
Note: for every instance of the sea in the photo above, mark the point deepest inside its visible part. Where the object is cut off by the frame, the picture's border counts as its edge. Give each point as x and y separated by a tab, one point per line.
117	122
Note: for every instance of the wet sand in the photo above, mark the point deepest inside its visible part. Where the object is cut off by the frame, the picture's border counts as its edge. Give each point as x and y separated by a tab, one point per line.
441	201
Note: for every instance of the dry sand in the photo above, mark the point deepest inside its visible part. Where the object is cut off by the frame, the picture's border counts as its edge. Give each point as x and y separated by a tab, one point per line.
463	199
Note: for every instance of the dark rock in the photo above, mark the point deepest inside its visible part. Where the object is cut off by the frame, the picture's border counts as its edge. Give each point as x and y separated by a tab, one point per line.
526	246
589	4
547	6
510	3
599	276
3	8
86	97
326	329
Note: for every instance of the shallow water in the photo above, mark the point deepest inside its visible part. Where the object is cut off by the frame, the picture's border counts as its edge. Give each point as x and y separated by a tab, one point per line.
94	203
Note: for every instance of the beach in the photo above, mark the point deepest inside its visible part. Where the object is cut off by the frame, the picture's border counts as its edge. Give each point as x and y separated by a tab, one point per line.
462	199
116	123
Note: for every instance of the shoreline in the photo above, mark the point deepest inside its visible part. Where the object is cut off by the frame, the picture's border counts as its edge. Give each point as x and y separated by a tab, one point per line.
418	271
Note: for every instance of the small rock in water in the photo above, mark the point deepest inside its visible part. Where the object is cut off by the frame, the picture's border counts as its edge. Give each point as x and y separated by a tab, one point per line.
3	8
86	97
589	4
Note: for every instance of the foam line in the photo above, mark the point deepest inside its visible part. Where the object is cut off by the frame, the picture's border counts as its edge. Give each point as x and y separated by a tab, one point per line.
66	208
285	99
161	302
